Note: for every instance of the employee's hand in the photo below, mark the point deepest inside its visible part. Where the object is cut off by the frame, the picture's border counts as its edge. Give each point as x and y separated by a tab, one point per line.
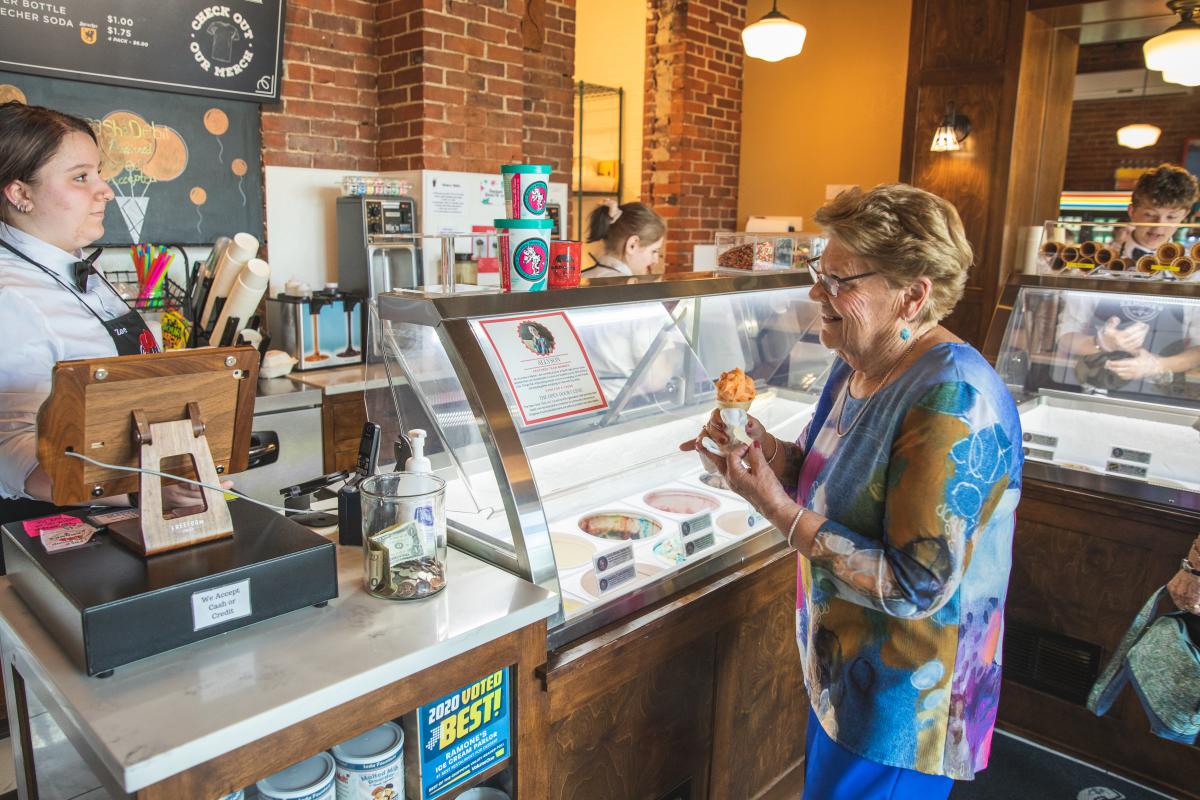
1110	337
1141	365
747	472
715	429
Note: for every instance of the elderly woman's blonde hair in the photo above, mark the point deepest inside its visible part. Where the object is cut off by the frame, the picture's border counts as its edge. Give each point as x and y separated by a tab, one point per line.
904	233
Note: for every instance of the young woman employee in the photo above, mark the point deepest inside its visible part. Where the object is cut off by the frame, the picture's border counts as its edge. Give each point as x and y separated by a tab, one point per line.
53	306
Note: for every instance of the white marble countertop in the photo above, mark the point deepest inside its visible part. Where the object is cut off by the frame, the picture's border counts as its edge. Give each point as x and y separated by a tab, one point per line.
339	380
164	714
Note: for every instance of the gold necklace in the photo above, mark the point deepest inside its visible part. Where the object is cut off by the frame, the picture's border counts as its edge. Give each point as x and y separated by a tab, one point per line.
837	426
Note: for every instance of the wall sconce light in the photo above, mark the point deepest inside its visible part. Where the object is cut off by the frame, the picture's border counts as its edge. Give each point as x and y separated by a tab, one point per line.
950	134
1176	51
774	37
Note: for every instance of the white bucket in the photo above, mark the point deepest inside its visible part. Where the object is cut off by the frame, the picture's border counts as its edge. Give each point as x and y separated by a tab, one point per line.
483	793
526	190
524	254
311	779
371	761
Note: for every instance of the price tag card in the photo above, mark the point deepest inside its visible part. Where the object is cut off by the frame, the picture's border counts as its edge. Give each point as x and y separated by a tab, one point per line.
1125	454
614	568
696	535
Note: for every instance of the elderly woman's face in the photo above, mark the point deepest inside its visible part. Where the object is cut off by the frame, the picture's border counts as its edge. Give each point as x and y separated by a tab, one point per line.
865	312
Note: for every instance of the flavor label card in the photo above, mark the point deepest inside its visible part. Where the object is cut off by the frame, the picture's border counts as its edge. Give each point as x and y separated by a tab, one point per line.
696	535
614	568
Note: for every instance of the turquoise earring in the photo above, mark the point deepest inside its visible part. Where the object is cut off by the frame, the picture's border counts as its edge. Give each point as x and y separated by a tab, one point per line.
905	334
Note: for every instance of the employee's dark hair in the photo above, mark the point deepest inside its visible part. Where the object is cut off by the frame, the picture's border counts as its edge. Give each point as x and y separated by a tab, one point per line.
1166	186
634	219
29	137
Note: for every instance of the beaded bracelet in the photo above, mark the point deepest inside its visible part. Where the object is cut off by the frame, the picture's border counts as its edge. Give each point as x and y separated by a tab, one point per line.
792	527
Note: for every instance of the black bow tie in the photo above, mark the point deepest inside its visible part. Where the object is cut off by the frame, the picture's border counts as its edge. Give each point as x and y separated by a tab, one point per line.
80	271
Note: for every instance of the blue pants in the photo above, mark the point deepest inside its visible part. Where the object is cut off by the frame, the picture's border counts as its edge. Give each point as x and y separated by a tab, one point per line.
831	772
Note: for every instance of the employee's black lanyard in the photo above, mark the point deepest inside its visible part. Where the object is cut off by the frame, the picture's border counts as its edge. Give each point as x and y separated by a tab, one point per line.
129	333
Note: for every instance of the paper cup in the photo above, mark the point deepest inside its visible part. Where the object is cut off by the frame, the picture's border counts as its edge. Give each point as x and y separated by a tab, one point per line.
526	190
524	254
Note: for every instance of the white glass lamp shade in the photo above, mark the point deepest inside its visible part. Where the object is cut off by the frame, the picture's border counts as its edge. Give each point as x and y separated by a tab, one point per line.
1175	50
1185	76
945	140
1138	135
774	38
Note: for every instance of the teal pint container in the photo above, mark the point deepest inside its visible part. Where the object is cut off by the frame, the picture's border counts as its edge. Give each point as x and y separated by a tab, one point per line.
526	190
524	254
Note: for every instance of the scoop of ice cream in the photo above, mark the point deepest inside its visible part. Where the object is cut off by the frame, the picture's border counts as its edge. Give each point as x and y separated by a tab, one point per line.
735	386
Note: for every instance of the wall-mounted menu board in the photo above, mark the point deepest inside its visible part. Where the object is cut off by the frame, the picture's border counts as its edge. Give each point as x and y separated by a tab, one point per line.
184	169
230	48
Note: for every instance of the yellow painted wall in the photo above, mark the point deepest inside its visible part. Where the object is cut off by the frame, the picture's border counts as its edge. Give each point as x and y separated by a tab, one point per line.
610	49
831	115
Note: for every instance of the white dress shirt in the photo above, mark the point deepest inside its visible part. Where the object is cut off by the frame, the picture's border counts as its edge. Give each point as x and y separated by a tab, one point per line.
41	323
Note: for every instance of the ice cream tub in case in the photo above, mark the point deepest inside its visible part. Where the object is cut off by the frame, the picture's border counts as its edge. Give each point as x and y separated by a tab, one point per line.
311	779
526	190
371	766
524	254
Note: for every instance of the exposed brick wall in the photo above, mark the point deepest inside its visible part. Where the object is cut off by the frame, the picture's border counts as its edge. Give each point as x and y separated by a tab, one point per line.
692	127
422	84
1093	154
327	115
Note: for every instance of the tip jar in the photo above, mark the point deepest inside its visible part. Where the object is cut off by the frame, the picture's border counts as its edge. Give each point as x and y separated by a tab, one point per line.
404	535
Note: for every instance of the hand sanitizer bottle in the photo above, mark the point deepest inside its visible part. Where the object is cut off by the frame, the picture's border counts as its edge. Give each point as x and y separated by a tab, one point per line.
417	462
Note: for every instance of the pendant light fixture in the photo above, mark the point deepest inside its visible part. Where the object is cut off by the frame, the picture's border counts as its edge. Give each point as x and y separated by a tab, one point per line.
1176	51
774	37
1139	134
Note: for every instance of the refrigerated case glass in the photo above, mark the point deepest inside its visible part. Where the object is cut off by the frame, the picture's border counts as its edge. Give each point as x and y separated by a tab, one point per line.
557	419
1127	251
1107	378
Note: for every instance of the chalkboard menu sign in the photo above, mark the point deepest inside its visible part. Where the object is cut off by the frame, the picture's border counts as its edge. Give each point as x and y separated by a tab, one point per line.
224	49
184	169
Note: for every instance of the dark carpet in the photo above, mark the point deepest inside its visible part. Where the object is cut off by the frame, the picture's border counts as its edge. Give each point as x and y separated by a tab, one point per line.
1021	771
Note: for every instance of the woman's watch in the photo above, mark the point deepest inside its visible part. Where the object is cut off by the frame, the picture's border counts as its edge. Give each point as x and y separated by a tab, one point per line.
1186	566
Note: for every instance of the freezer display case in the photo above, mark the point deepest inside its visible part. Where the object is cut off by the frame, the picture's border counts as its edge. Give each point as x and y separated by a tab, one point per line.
1107	378
556	419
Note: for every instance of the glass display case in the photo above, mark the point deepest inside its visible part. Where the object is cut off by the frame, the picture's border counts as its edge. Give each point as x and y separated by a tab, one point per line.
1106	375
556	419
765	251
1129	251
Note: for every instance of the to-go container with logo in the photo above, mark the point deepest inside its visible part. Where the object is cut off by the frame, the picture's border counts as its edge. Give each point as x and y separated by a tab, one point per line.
524	254
526	190
311	779
370	765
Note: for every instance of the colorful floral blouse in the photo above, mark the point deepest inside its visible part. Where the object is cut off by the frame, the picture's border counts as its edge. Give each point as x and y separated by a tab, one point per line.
900	611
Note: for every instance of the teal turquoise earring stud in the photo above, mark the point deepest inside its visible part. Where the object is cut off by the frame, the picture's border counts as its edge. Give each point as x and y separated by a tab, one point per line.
905	334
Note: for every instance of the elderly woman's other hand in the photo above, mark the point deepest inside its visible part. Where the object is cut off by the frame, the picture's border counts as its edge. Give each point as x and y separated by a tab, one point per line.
748	473
1184	589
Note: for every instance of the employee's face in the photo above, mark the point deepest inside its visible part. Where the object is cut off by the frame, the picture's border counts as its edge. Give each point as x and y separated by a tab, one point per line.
68	196
641	259
1153	237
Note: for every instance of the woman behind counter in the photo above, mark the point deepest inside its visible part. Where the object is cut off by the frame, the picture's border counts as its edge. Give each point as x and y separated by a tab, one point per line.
631	237
900	498
52	305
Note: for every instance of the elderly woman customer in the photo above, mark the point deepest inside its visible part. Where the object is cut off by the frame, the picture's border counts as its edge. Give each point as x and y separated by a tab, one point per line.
899	497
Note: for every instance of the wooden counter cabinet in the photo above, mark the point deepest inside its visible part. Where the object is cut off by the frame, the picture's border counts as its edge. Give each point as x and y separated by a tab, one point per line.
216	716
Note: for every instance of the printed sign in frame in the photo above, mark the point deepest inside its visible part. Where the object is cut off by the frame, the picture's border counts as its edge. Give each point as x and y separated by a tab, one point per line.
545	365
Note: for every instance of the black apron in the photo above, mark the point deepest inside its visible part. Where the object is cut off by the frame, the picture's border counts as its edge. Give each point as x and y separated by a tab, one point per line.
130	336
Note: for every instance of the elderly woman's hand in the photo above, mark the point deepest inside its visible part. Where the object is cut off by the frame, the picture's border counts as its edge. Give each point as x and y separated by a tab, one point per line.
748	473
715	430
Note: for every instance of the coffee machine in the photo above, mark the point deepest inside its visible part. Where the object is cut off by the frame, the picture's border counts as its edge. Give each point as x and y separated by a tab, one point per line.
376	249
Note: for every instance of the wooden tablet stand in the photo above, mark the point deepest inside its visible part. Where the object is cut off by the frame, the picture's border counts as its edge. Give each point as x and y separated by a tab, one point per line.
183	412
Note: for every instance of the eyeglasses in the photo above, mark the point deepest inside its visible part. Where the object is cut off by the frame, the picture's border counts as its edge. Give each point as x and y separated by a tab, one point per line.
830	283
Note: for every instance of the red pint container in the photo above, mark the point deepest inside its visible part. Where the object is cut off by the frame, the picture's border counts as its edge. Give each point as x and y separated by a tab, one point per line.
565	261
